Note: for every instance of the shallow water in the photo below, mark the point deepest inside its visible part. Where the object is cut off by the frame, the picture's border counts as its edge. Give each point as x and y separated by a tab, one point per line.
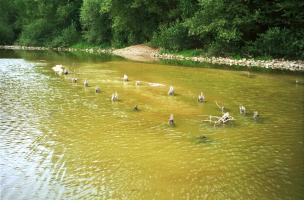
59	140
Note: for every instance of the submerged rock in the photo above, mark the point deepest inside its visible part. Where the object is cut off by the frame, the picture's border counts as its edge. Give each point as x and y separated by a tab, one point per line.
202	139
58	69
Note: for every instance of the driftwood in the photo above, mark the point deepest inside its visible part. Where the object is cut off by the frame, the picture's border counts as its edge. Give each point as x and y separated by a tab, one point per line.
221	107
217	120
59	69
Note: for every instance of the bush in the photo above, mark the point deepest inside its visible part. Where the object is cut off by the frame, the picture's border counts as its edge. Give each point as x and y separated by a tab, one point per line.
119	39
6	33
36	33
8	15
173	37
278	42
96	22
68	37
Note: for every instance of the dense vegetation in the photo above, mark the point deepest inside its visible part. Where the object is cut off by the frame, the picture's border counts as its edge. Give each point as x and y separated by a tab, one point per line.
216	27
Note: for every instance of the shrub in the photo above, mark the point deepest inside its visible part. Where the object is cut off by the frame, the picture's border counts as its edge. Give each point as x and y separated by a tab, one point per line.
67	37
96	22
173	37
36	33
6	33
278	42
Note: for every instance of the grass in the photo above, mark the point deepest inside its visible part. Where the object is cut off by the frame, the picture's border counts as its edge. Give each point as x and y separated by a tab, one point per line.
200	52
186	52
85	45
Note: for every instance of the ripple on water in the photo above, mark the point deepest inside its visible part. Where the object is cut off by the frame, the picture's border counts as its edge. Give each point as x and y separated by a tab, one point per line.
60	140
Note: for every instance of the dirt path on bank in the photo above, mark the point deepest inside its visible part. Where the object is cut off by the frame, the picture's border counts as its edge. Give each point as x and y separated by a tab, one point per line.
138	52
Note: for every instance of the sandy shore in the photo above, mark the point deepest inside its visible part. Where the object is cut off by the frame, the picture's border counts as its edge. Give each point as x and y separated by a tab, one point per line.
138	53
145	53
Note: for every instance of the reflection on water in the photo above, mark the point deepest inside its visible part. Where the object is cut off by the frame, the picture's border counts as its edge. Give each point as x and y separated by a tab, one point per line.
59	140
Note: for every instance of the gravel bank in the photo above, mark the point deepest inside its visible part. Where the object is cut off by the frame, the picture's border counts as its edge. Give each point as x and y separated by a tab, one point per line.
276	64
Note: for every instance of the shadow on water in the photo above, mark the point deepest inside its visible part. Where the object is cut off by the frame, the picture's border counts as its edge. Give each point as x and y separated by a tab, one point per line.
202	140
59	56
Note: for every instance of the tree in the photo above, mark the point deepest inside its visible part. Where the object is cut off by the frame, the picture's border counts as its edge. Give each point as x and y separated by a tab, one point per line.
48	22
7	22
96	21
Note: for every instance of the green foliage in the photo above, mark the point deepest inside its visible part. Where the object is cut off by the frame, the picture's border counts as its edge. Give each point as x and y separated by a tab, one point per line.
7	18
85	45
279	42
186	53
218	27
6	33
173	37
134	21
67	37
96	22
48	23
36	33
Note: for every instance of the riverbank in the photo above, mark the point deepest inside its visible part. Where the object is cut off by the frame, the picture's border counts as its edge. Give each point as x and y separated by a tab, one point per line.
274	64
146	53
29	48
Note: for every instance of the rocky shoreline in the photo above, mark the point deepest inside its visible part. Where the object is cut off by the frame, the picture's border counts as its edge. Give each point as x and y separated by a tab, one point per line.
275	64
145	53
88	50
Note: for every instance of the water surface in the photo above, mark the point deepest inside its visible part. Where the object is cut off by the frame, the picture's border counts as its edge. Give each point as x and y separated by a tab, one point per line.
59	140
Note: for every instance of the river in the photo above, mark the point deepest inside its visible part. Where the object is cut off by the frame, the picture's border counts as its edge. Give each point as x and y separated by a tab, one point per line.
59	140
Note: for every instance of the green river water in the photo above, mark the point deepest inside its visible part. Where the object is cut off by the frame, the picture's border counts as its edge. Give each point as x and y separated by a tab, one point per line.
59	140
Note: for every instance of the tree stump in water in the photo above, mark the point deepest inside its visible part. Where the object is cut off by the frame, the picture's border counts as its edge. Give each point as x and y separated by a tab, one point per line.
97	90
86	83
171	91
201	98
242	110
256	115
171	120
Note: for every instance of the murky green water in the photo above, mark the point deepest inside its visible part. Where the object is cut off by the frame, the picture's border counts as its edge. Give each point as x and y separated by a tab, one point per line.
59	140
